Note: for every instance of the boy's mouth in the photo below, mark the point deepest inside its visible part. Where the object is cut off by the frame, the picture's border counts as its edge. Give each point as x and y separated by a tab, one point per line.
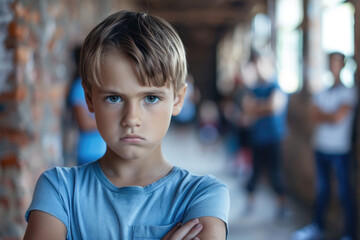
130	138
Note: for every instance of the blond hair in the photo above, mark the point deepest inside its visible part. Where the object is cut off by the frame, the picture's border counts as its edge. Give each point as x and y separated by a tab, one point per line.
150	42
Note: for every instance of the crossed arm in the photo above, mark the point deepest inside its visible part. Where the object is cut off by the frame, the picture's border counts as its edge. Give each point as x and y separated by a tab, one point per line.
43	226
258	108
319	116
198	228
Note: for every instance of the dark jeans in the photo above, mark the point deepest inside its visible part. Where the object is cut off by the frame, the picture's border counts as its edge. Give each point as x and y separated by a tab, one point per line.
267	156
340	164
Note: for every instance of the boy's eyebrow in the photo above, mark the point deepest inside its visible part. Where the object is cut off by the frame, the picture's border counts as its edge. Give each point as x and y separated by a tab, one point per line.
154	91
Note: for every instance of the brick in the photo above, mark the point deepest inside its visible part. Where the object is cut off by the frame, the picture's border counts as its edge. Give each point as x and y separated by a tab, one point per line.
21	33
56	38
54	93
17	137
18	31
9	161
18	94
34	17
29	15
12	29
4	202
19	9
38	113
57	92
22	55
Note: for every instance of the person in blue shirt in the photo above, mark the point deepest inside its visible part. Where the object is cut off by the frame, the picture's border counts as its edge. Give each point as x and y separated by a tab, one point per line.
133	67
265	105
90	145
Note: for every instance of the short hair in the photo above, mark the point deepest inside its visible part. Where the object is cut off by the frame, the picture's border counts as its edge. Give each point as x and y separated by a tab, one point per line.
339	54
149	42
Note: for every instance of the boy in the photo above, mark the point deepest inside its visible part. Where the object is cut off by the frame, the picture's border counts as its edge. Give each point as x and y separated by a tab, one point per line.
133	68
333	113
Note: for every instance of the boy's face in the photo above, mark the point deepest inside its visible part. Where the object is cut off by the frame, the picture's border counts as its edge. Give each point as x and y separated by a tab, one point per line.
132	119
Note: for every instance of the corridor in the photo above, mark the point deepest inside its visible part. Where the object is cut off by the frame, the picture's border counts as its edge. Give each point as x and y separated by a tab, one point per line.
183	149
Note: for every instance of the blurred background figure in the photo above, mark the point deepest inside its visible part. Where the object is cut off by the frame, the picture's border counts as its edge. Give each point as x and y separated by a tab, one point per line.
236	128
209	123
332	114
265	105
188	114
90	145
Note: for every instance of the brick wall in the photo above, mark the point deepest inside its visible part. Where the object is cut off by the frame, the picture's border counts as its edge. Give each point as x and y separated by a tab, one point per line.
36	38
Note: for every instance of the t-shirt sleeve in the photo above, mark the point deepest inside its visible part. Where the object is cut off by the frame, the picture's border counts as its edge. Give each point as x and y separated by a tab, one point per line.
47	197
210	200
349	97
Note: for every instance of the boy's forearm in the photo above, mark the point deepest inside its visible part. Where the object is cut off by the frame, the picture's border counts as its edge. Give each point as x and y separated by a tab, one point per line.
213	229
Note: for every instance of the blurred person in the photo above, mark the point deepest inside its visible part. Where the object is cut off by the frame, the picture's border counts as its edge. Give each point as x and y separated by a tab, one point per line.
209	118
90	144
265	106
236	125
332	113
187	116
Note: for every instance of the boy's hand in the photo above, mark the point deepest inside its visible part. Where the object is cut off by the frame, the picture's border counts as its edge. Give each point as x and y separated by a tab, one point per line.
188	231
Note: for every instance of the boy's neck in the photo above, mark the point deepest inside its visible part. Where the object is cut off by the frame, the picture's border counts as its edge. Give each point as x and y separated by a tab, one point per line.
135	172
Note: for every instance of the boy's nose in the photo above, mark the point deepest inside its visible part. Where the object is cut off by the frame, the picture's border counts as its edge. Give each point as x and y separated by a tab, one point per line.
131	117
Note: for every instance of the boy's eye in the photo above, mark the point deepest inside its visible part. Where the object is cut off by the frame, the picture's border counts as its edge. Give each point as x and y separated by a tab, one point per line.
113	99
151	99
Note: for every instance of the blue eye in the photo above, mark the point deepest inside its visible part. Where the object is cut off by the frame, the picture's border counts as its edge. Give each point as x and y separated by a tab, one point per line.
151	99
113	99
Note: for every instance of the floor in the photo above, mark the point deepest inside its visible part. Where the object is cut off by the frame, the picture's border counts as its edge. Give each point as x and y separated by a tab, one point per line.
182	148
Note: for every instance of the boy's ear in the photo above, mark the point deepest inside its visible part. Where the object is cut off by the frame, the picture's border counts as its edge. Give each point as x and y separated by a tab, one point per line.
88	99
179	100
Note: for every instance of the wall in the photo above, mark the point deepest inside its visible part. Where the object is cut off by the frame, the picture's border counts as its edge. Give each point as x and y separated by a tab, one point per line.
36	37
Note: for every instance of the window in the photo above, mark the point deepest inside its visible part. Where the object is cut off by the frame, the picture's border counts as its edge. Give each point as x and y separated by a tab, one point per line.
289	15
337	24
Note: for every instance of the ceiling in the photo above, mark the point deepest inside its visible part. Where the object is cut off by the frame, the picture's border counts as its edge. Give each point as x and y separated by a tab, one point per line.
204	13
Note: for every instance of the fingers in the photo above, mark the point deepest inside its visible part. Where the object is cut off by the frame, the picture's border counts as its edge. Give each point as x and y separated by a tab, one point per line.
194	232
187	231
172	231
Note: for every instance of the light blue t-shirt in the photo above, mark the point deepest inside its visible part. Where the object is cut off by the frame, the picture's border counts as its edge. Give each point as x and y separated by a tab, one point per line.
91	207
335	138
